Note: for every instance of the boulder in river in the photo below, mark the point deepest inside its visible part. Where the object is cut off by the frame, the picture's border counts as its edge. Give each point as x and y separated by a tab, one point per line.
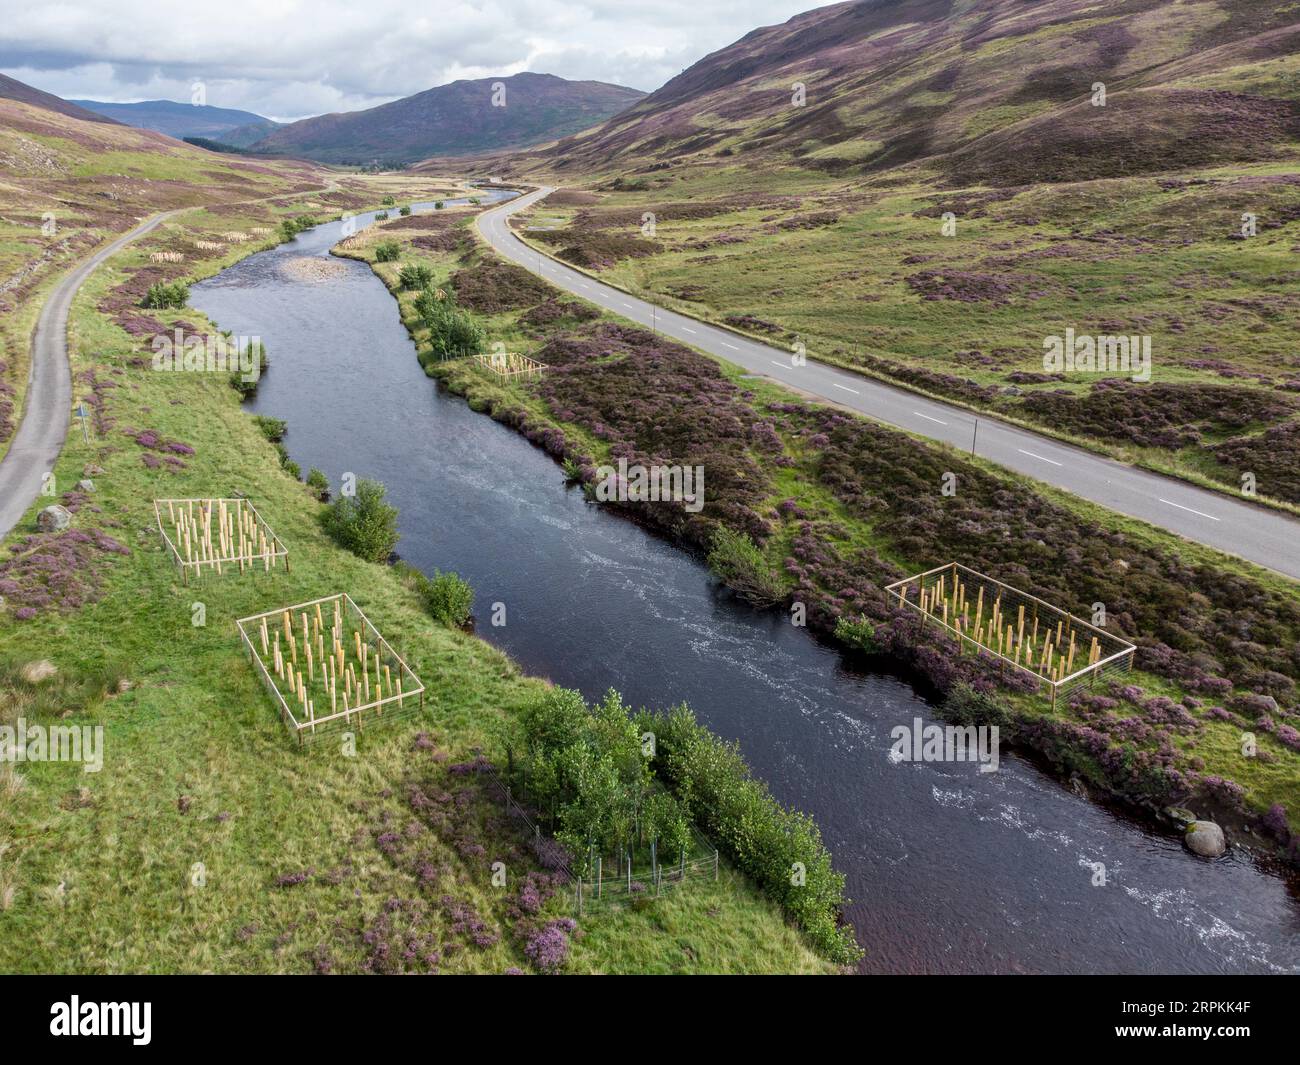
1205	838
54	519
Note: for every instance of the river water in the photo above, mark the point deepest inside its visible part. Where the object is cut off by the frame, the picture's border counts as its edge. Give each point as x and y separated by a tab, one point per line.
952	870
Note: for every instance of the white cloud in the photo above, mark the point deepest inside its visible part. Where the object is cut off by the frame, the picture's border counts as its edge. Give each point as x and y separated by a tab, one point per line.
290	58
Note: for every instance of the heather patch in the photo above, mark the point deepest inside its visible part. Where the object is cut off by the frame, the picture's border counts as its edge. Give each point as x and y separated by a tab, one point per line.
552	311
56	572
492	286
1273	457
1156	415
963	286
657	403
594	250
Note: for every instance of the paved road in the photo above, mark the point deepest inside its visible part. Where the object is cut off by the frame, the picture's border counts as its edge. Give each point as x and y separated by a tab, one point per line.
1267	537
44	427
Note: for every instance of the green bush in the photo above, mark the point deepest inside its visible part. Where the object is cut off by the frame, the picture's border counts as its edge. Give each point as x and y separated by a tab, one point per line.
768	842
246	384
387	251
742	566
963	705
860	634
437	205
319	484
448	597
166	295
404	211
291	227
453	333
272	428
388	201
363	522
381	216
415	276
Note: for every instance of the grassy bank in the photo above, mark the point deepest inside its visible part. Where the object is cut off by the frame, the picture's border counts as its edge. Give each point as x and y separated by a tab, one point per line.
208	842
834	507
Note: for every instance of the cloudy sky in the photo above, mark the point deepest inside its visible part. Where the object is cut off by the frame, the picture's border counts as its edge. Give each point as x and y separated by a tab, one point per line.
290	58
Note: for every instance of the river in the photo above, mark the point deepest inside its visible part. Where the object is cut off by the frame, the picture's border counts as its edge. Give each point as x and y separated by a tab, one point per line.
952	870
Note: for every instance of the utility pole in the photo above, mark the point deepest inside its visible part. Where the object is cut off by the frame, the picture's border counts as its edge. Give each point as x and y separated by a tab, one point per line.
975	436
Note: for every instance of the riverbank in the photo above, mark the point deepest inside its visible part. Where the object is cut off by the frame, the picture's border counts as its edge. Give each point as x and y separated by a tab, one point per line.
209	842
838	507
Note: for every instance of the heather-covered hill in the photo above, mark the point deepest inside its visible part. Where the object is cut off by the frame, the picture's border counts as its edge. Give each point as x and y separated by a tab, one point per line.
456	119
997	91
12	89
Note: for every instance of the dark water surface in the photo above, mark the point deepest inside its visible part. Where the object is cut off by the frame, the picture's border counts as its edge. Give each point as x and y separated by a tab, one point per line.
952	870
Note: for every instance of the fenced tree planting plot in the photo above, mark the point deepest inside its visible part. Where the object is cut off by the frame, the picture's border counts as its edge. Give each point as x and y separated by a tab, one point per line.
214	533
1051	645
508	365
602	880
327	666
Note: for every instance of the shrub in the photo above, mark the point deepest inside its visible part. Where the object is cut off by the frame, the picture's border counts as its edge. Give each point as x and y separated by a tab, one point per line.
403	211
415	276
741	565
765	840
364	522
246	384
381	216
319	484
291	227
387	251
166	295
437	205
388	201
453	333
272	428
449	598
963	705
860	634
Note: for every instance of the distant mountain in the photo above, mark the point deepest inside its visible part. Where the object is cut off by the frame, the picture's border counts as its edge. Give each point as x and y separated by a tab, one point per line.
995	92
183	120
455	119
247	136
11	89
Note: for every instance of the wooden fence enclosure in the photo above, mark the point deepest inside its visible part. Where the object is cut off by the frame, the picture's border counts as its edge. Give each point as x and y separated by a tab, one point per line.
326	665
212	534
1053	646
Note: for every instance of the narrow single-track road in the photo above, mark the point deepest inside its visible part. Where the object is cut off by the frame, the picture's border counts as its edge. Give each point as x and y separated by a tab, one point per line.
47	408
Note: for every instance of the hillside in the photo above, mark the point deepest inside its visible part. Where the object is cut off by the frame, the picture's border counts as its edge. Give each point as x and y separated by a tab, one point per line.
12	89
183	120
957	84
455	119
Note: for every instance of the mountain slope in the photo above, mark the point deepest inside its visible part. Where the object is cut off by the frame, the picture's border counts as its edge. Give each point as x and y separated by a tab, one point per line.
455	119
892	83
176	119
12	89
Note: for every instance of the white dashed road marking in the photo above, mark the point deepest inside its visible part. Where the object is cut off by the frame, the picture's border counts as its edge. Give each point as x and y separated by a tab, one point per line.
1198	513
